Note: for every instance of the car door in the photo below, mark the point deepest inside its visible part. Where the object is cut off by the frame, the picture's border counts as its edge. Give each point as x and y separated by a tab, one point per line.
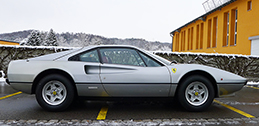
125	73
86	71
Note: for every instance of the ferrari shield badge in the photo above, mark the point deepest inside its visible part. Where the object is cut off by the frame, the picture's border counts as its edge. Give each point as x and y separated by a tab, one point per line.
174	70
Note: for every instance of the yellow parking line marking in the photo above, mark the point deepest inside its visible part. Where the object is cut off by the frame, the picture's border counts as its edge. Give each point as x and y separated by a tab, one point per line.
234	109
253	87
102	113
7	96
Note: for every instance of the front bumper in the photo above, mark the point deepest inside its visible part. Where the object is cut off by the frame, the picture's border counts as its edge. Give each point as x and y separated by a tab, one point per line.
229	88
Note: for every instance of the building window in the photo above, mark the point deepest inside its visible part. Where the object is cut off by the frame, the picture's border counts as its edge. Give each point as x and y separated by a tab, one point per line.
249	5
183	41
190	39
235	39
233	35
197	36
209	34
214	32
201	36
226	29
177	42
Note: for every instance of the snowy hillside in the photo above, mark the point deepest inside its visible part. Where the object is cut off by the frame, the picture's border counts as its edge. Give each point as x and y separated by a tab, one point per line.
82	39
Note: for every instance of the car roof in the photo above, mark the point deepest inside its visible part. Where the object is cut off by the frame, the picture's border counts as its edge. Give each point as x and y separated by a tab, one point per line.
101	46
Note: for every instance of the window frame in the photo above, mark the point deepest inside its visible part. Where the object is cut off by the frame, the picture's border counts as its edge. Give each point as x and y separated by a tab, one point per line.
76	56
235	31
249	5
226	30
100	55
137	51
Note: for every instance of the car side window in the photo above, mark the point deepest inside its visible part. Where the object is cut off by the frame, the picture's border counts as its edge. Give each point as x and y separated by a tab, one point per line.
121	56
149	62
89	56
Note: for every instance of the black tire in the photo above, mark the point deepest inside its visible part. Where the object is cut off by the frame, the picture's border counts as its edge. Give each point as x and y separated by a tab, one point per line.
195	93
55	92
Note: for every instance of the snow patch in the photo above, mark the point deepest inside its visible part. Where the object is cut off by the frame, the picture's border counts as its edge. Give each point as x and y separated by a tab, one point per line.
2	79
241	103
232	56
39	47
253	83
2	75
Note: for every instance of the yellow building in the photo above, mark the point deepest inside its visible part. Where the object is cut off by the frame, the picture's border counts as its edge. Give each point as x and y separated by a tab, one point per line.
232	28
7	42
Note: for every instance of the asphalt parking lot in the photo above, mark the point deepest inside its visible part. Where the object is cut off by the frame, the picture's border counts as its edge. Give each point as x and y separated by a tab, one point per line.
242	108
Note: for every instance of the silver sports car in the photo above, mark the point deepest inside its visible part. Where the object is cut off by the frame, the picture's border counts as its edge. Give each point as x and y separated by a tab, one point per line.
118	71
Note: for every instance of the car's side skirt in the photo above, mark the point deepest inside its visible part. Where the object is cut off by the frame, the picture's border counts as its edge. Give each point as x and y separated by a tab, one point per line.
126	89
90	89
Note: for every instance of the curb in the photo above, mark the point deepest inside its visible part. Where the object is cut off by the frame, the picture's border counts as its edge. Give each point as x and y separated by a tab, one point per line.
145	122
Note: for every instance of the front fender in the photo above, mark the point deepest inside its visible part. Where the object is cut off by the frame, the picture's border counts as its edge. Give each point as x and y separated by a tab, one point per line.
220	76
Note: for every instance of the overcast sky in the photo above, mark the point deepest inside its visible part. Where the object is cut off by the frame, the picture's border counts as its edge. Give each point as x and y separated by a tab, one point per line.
152	20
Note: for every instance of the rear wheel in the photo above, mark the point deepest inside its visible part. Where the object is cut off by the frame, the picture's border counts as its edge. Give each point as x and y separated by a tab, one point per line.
196	93
55	92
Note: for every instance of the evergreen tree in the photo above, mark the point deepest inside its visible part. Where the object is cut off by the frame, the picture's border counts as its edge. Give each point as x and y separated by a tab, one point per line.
51	39
43	35
34	39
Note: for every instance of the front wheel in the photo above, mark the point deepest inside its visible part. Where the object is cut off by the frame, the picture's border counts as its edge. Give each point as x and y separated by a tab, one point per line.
55	93
196	93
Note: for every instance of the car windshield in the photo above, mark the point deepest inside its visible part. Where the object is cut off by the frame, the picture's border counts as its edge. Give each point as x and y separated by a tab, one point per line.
163	60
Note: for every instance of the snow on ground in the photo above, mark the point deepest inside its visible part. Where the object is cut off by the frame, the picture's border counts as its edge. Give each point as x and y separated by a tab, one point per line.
253	83
2	82
2	79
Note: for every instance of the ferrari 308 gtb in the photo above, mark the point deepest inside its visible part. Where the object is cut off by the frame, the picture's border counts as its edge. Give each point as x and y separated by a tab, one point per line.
112	71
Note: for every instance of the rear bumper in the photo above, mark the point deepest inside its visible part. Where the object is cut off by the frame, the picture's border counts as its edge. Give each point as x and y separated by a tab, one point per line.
25	87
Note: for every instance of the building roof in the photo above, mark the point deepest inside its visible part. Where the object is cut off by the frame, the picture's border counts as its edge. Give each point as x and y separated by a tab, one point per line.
8	41
203	17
